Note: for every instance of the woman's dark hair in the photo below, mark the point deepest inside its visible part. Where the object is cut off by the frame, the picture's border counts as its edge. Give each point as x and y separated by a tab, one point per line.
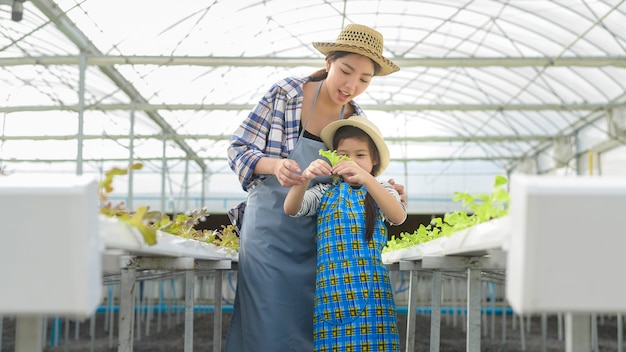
371	213
334	55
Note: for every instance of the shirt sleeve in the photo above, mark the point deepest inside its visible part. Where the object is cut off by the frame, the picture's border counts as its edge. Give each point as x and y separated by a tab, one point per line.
270	129
395	195
312	199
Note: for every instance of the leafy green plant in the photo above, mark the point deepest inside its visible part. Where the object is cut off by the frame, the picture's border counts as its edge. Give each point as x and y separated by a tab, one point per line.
334	159
227	237
182	225
137	218
106	185
476	209
150	222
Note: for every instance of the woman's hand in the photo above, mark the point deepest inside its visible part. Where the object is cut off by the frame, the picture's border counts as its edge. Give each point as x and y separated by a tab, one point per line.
288	173
400	189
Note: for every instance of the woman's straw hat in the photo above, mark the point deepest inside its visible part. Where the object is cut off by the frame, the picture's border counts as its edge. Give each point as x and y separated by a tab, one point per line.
366	125
363	40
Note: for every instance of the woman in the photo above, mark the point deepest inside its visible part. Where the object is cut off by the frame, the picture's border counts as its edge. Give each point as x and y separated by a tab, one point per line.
273	308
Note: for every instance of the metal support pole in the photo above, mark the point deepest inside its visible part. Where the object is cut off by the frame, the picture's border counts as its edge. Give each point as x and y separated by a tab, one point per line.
217	311
435	317
189	306
577	332
412	311
28	334
473	310
127	310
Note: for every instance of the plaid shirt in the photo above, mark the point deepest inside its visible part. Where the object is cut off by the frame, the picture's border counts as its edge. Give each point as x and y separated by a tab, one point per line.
271	129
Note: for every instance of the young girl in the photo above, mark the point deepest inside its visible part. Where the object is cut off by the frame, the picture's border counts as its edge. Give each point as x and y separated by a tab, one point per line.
354	305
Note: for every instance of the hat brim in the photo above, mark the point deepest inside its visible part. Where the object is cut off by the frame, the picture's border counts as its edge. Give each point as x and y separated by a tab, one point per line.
360	122
386	66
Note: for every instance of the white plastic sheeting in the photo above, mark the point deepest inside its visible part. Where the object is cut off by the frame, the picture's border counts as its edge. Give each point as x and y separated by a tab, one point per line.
484	86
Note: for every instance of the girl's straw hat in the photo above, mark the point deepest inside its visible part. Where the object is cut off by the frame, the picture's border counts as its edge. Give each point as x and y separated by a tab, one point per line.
366	125
363	40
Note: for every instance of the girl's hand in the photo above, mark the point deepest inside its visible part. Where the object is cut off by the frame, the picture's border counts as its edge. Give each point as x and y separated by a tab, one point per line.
287	172
318	167
351	172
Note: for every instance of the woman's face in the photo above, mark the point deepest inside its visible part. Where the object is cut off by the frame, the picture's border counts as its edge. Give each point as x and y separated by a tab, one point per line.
348	76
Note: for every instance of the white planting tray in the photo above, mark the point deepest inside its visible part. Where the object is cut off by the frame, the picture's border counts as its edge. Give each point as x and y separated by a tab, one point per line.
50	250
567	244
118	235
476	240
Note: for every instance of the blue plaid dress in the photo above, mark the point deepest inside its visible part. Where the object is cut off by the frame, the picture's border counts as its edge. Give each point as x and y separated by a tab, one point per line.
354	305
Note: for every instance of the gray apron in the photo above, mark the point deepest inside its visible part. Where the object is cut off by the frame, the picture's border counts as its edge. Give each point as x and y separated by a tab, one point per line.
273	308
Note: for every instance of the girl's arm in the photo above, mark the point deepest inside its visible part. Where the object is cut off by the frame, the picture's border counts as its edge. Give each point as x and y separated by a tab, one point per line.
393	209
293	201
294	198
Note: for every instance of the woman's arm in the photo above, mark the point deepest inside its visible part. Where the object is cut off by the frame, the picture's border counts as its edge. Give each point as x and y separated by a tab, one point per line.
392	208
267	135
400	189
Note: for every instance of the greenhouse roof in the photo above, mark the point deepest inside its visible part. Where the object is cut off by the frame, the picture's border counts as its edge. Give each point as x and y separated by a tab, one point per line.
484	87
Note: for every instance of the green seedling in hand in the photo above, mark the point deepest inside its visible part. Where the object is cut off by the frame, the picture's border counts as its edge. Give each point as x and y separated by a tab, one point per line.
334	159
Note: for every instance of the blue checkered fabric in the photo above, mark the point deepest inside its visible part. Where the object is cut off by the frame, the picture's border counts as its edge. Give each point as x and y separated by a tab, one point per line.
354	305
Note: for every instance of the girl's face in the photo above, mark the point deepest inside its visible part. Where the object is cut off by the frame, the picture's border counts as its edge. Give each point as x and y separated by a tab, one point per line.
348	76
359	150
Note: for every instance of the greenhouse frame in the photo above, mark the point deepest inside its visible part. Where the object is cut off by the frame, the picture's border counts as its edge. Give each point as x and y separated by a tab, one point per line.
486	88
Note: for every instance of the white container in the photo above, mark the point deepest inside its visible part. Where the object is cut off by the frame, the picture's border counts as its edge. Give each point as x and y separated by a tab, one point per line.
567	244
118	235
479	239
50	248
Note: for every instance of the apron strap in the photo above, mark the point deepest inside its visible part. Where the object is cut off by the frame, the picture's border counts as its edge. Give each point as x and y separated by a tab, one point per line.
308	117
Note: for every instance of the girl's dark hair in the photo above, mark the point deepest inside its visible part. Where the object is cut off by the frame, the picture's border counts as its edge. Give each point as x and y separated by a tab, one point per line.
334	55
371	213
